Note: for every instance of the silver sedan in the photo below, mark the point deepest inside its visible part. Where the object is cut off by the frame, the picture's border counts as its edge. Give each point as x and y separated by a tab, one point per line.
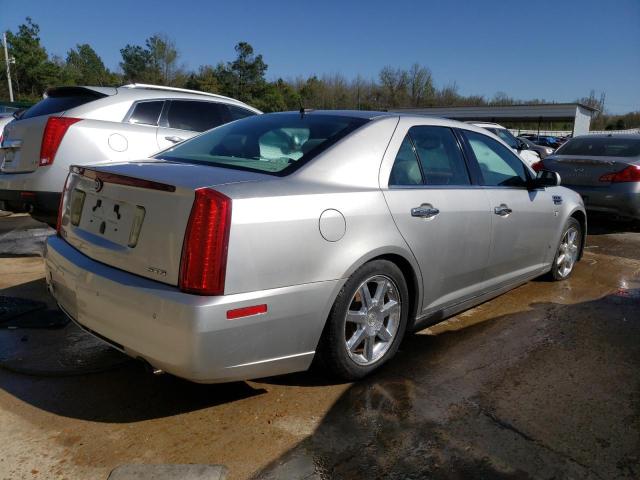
260	245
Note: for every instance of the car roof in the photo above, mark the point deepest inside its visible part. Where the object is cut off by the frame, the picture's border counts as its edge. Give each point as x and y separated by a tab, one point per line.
140	91
635	136
485	124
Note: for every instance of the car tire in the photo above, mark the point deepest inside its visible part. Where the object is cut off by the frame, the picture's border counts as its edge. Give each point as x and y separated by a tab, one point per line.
364	332
568	251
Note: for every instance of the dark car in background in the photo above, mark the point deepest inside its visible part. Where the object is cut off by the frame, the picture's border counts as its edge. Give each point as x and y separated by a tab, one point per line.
603	169
542	151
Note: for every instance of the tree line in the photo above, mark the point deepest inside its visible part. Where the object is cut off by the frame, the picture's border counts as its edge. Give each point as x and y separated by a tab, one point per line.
244	78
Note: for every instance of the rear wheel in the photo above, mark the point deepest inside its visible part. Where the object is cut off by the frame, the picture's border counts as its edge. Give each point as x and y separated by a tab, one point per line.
568	250
367	321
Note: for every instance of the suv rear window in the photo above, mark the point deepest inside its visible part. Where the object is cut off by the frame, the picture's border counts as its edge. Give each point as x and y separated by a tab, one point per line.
601	147
276	143
60	100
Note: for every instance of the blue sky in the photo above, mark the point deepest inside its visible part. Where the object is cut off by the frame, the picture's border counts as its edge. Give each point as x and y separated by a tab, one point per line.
558	50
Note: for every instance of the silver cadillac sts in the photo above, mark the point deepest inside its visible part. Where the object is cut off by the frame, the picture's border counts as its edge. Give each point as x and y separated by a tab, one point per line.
256	246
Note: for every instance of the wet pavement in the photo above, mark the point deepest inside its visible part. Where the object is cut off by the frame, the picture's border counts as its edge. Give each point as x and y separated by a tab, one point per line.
539	383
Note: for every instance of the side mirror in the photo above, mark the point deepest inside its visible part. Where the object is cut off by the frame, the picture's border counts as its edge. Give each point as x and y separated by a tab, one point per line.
545	178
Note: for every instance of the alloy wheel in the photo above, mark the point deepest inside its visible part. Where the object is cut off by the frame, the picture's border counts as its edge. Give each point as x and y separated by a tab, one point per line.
568	252
372	320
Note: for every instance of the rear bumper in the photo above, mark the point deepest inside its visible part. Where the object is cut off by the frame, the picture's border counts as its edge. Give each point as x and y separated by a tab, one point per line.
189	335
621	199
26	192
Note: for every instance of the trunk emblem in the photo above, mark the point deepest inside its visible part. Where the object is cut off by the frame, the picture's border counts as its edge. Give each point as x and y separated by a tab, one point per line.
578	170
98	184
157	271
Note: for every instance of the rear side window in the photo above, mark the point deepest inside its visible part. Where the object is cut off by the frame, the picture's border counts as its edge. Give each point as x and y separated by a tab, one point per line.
146	113
498	164
196	116
406	169
61	100
238	112
601	147
440	156
429	156
276	143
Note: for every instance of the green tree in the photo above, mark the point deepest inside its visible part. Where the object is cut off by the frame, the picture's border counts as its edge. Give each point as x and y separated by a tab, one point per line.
85	66
163	57
136	64
243	78
32	72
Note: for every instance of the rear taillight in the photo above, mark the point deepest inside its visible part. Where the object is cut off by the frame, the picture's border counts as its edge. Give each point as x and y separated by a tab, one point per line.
538	166
629	174
61	207
204	252
53	134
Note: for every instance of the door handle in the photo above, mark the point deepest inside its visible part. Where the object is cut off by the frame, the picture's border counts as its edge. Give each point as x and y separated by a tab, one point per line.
503	210
174	139
426	210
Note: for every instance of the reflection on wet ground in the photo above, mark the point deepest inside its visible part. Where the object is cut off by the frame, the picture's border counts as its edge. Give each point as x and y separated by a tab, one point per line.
539	383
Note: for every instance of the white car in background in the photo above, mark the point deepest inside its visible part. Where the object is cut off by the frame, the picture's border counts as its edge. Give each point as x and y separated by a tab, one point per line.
518	146
81	125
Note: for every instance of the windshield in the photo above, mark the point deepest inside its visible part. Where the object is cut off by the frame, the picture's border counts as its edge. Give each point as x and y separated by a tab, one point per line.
601	147
506	136
275	143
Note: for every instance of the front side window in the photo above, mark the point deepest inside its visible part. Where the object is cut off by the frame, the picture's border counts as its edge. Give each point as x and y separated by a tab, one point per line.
498	164
238	112
196	116
276	143
146	113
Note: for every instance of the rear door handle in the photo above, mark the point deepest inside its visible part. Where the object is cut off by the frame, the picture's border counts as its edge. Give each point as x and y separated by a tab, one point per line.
426	210
174	139
503	210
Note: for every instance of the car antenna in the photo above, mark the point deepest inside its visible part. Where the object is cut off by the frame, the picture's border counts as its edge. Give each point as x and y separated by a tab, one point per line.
301	110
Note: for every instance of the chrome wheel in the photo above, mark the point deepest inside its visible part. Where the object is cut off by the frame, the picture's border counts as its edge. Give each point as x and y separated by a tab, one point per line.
568	252
372	320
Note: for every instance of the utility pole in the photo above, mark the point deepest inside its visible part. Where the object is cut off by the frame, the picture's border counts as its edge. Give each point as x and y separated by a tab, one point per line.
6	59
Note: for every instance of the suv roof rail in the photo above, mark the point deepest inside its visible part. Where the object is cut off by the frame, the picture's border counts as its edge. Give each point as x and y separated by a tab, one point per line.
175	89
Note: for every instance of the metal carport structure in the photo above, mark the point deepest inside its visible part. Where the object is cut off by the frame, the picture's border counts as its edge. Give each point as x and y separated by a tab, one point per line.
578	114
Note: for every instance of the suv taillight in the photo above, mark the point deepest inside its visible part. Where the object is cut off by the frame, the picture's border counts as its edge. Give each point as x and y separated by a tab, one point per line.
53	133
538	166
204	252
629	174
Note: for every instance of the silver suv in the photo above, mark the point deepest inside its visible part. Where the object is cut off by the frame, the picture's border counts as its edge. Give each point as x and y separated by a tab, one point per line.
81	125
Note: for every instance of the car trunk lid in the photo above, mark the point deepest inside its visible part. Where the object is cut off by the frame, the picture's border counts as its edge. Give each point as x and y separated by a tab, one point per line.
583	170
133	216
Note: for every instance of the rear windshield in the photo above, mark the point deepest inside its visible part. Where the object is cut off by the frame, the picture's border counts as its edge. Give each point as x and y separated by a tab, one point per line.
276	143
61	100
601	147
505	135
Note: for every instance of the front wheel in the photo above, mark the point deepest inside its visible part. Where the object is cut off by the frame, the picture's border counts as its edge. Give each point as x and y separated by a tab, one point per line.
568	250
367	321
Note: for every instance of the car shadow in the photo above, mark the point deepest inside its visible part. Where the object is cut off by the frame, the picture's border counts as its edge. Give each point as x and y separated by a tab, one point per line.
124	394
600	224
543	393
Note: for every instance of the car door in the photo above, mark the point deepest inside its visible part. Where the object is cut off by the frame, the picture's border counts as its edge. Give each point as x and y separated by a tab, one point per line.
442	215
145	113
522	219
183	119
